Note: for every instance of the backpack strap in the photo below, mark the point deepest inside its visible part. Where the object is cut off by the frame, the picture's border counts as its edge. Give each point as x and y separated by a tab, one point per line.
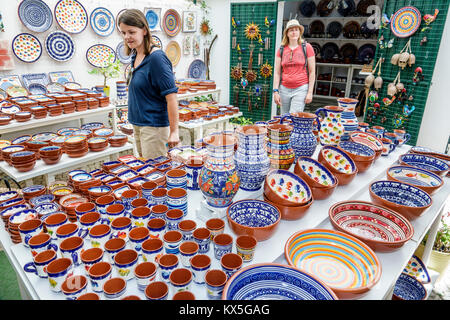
281	65
306	57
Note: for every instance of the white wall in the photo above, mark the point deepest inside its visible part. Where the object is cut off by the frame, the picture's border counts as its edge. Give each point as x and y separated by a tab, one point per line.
78	64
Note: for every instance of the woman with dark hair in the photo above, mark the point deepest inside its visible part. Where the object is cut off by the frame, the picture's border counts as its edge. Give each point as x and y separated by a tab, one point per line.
295	70
152	93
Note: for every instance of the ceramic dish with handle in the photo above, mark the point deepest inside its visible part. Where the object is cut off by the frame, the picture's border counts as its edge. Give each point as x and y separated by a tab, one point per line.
420	178
422	161
275	281
286	188
344	263
380	228
408	200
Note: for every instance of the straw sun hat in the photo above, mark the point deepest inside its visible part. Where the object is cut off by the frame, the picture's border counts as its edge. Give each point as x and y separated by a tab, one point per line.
294	23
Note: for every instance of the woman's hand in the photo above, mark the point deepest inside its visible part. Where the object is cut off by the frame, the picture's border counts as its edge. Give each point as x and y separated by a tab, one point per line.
277	98
308	98
174	140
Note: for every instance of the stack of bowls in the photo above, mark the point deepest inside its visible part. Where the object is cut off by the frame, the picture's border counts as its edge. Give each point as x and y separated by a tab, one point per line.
339	163
68	106
23	116
81	105
92	103
117	140
7	151
39	112
362	155
288	193
33	191
5	119
83	132
97	144
76	146
103	132
23	161
70	202
51	154
8	211
321	181
35	145
55	110
16	219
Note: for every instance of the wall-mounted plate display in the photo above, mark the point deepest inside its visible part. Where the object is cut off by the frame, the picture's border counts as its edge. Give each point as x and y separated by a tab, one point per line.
171	23
153	16
117	18
99	55
26	47
59	46
197	69
157	41
36	15
405	22
71	16
102	21
121	54
173	52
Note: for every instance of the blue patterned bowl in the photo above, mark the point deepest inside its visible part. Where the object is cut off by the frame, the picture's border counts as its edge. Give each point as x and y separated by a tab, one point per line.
408	288
435	165
275	282
420	178
254	218
406	199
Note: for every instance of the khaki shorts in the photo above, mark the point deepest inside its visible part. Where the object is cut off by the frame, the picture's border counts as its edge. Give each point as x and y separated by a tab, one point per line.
151	142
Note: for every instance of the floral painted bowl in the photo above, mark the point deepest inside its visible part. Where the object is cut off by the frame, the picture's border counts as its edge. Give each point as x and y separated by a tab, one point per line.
345	264
362	155
417	269
408	288
422	161
254	218
408	200
420	178
275	281
380	228
339	163
286	188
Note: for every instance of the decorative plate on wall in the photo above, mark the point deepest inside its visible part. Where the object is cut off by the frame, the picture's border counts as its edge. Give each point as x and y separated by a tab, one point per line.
71	16
153	16
173	52
98	55
157	41
36	15
197	69
61	76
26	47
171	22
117	18
59	46
405	22
120	51
102	21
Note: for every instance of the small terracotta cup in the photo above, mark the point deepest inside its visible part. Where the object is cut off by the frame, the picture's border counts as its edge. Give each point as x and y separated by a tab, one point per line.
215	226
152	250
186	228
99	273
140	216
231	262
200	264
183	295
114	288
188	249
30	228
41	242
245	247
112	246
89	296
57	272
167	263
40	263
172	240
91	256
125	262
66	231
137	236
74	286
121	227
203	238
131	297
157	290
159	211
145	273
215	283
157	227
180	280
223	243
72	248
173	217
99	234
88	220
53	221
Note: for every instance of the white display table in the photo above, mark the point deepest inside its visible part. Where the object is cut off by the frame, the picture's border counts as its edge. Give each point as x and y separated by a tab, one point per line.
272	250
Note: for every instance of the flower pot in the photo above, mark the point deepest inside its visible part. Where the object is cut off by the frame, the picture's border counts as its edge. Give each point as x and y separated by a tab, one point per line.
439	261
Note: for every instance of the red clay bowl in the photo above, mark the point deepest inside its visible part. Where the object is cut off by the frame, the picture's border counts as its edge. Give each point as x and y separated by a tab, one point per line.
379	227
26	167
22	157
339	163
286	188
408	200
51	160
290	213
420	178
321	181
261	223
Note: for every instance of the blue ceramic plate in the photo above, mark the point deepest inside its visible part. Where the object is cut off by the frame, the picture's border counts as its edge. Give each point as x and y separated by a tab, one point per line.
102	21
138	181
37	88
197	69
8	195
272	281
35	15
47	208
120	51
92	125
23	216
152	18
45	198
74	172
13	209
100	189
135	163
60	46
81	177
32	189
127	175
409	288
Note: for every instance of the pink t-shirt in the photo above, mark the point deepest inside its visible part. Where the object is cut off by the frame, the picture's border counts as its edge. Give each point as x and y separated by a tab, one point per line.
293	70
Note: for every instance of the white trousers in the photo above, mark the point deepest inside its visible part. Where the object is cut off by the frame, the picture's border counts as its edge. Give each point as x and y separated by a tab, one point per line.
293	100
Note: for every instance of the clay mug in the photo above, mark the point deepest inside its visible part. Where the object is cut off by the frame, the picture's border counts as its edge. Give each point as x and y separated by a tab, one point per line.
215	226
167	263
159	211
402	136
245	247
40	263
57	271
375	133
66	231
83	208
231	262
388	146
41	242
114	288
203	238
137	236
140	215
112	246
115	210
223	243
173	217
200	264
145	273
91	256
172	240
53	222
152	250
188	249
186	227
120	228
74	286
159	196
125	262
157	290
72	248
30	228
103	202
157	227
99	273
99	234
215	283
180	280
87	221
183	295
89	296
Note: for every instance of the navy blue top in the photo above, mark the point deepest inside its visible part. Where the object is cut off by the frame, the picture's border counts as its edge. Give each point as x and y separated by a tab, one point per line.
151	81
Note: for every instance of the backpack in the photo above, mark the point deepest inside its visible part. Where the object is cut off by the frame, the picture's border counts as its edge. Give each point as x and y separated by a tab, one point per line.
304	54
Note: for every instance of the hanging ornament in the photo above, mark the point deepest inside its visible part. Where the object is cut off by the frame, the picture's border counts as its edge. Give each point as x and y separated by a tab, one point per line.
235	24
428	19
251	76
407	110
205	28
385	21
257	90
266	70
373	96
397	121
236	73
252	31
418	76
387	102
244	83
423	41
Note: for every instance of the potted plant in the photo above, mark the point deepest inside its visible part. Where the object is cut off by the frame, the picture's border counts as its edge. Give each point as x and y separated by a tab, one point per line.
440	254
240	121
111	70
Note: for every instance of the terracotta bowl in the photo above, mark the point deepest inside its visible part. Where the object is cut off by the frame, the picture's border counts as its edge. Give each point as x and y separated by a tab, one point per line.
379	227
261	224
22	157
26	166
362	155
408	200
50	151
286	188
4	120
420	178
339	163
290	213
51	160
422	161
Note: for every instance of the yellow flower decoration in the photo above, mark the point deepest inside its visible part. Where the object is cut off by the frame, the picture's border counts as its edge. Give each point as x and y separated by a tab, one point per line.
252	31
266	70
236	73
251	76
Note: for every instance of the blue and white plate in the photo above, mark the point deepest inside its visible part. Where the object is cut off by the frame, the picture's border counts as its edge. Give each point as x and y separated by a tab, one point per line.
100	189
79	177
102	21
424	162
152	19
61	76
103	132
409	288
127	175
92	125
270	281
47	208
74	172
13	209
8	195
137	181
60	46
31	78
43	136
37	88
36	15
33	189
45	198
23	216
120	51
197	69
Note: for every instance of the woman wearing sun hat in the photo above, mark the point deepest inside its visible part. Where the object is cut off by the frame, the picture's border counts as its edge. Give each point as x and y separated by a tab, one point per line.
294	73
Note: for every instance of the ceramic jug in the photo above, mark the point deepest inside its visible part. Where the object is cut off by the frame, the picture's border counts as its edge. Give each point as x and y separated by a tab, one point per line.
250	158
279	149
218	180
348	117
331	128
302	138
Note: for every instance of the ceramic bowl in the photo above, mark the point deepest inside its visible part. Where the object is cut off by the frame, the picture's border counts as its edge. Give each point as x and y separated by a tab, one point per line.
380	228
369	140
362	155
7	151
290	213
344	263
253	217
420	178
22	157
50	151
33	191
286	188
408	200
117	140
422	161
416	268
275	281
408	288
339	163
5	119
321	181
25	167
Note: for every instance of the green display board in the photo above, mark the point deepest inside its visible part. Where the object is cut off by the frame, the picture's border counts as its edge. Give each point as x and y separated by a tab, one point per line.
255	100
394	116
